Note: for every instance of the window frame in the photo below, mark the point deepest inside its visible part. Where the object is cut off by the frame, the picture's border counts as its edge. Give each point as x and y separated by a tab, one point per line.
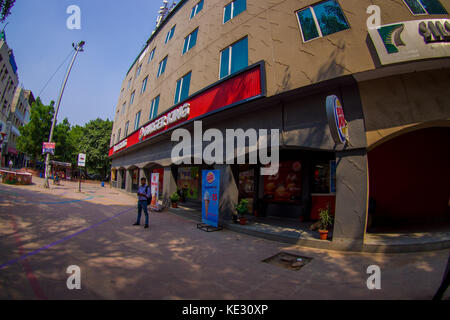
127	126
170	34
232	16
132	98
316	22
189	41
152	108
230	47
144	84
151	55
196	10
424	9
138	71
178	99
159	67
137	120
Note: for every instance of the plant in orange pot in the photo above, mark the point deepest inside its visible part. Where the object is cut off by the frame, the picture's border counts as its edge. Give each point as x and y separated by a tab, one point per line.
326	221
174	199
242	210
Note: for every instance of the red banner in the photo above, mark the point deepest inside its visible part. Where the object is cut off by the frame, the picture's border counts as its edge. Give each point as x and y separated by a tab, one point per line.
241	87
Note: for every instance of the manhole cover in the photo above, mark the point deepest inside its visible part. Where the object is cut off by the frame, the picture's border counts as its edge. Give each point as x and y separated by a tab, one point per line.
288	261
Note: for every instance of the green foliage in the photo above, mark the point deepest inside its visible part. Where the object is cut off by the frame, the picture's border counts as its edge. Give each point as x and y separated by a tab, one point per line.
242	207
37	130
95	143
92	139
175	198
326	219
5	8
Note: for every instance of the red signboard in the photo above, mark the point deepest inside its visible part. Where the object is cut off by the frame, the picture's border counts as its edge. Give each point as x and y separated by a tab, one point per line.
241	87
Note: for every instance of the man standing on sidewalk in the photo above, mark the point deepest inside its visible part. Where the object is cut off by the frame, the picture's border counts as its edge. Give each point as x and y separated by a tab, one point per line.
143	195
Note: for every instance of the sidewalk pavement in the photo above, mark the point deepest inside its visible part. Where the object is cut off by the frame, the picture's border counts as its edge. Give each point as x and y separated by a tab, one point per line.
44	231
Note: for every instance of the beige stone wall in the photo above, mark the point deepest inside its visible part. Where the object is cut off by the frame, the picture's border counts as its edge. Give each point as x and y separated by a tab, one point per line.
8	83
396	104
274	36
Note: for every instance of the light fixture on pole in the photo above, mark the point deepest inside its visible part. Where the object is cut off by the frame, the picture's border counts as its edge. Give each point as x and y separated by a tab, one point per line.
78	48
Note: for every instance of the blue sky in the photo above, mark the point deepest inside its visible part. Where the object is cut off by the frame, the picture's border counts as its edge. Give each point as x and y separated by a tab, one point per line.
114	31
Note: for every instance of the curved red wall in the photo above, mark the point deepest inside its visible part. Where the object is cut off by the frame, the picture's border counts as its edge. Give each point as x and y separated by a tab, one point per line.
410	176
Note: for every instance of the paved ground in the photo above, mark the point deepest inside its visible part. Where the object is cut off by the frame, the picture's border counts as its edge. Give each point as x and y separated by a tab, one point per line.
42	232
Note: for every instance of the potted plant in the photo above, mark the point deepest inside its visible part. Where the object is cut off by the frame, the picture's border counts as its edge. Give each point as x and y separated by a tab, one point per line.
242	210
174	199
326	221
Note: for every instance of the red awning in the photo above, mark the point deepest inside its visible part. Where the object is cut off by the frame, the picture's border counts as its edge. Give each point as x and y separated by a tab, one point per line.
13	151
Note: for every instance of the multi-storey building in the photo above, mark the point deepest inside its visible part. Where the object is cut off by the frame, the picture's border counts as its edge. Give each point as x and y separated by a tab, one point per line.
358	90
8	84
18	117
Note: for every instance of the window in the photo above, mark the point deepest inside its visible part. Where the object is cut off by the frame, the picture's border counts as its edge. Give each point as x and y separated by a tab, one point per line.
136	120
121	93
425	6
118	135
321	20
138	71
129	84
162	67
113	140
233	9
126	129
190	41
132	98
170	34
154	108
196	9
144	85
234	58
124	107
152	54
182	91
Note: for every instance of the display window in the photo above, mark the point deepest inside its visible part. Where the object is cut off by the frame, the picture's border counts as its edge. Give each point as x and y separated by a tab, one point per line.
188	182
247	186
135	177
324	177
285	186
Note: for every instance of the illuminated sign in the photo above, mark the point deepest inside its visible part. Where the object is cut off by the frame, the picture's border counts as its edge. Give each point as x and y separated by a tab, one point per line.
412	40
336	120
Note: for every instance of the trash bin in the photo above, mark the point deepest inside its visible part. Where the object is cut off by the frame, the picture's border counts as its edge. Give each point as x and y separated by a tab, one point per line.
40	174
103	184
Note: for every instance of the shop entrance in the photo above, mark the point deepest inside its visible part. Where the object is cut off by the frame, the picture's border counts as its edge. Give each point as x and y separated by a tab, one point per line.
410	182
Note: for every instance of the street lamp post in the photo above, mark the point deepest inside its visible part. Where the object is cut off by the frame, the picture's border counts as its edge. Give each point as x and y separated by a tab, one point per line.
78	48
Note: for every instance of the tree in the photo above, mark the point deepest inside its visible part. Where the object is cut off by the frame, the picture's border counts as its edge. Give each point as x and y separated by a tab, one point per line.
37	130
63	149
5	8
95	143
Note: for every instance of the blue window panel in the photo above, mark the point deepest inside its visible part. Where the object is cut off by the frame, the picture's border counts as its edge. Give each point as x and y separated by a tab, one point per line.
185	87
415	7
433	7
227	12
132	99
162	67
152	54
144	85
186	43
309	29
126	128
137	120
177	91
182	90
193	40
330	17
193	12
239	7
239	55
170	34
225	63
154	108
200	6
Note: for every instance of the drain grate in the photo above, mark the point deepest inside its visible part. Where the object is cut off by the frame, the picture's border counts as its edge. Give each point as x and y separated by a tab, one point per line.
288	261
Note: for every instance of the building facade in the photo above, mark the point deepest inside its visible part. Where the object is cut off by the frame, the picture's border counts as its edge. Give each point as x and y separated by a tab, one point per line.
8	83
18	117
278	65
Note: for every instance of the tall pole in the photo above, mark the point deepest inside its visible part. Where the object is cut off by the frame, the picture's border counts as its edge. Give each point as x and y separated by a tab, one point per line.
78	48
